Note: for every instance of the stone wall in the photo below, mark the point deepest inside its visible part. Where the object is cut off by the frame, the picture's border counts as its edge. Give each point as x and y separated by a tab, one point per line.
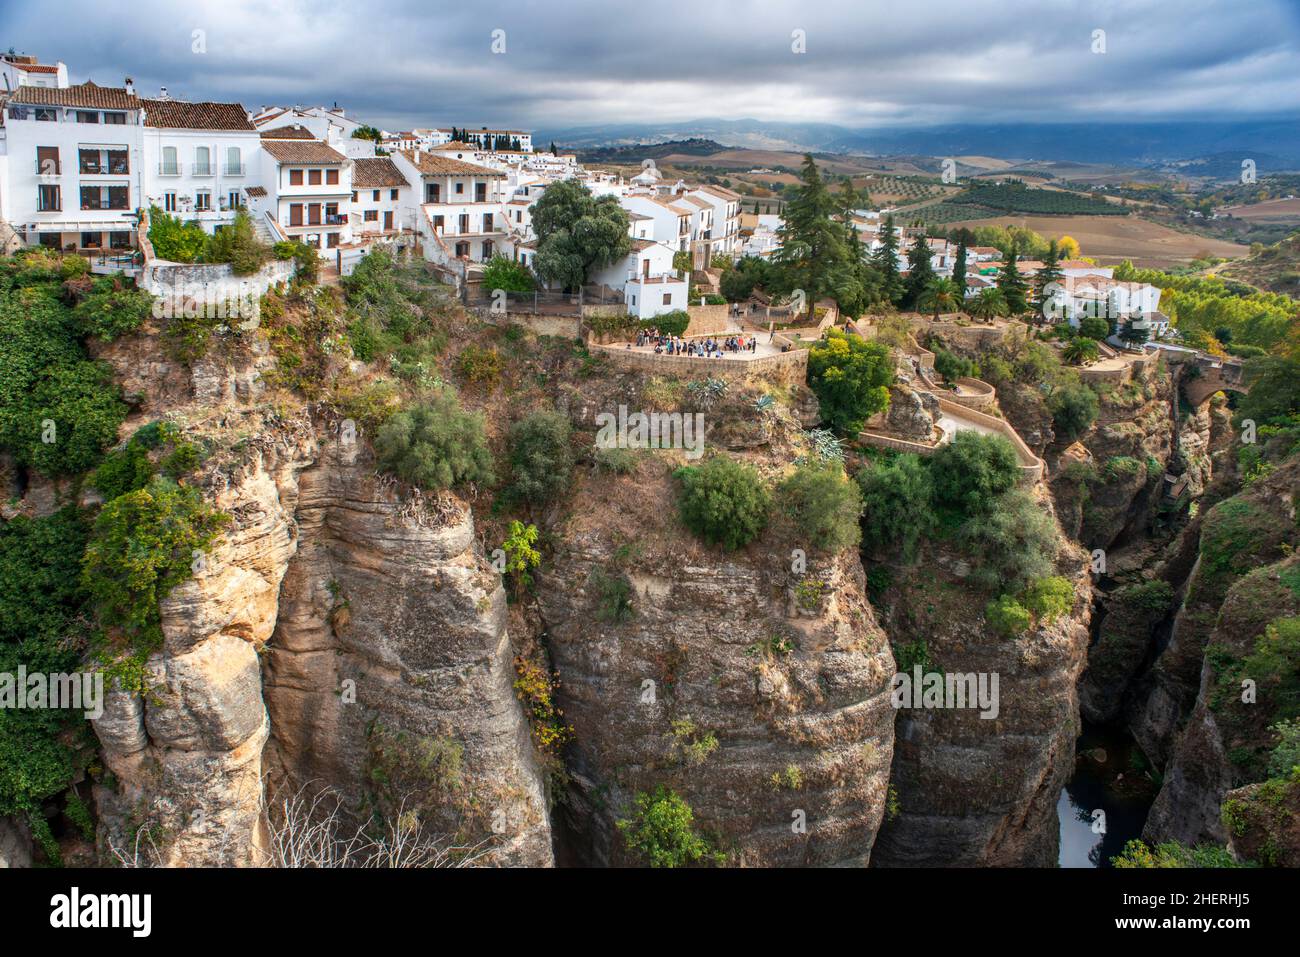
708	320
788	366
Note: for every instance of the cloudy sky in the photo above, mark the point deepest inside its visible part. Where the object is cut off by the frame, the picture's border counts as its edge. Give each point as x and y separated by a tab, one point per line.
585	62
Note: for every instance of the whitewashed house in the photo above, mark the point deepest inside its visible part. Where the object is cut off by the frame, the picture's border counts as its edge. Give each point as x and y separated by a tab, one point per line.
457	207
308	191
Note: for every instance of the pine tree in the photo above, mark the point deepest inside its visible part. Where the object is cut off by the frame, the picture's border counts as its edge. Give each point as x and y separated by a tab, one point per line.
920	273
885	262
814	246
1013	285
959	268
1049	275
553	150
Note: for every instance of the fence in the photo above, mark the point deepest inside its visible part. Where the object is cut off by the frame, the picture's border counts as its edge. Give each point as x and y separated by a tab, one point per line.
789	367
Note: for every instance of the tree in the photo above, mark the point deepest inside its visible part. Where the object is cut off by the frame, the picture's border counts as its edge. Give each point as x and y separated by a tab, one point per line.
823	504
1094	327
1048	279
435	444
959	269
885	262
1013	285
988	304
896	503
972	471
942	295
577	233
367	133
1080	350
1010	543
1074	408
1274	390
920	273
851	377
723	501
541	459
814	244
662	832
173	240
1133	334
506	274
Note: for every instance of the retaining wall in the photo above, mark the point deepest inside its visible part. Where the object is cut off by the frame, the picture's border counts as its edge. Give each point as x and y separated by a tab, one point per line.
790	367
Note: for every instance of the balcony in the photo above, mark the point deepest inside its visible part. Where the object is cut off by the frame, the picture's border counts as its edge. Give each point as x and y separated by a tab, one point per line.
169	169
234	169
204	169
336	219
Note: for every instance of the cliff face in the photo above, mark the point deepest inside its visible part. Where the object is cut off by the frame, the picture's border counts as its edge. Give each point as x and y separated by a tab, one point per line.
715	647
973	791
336	637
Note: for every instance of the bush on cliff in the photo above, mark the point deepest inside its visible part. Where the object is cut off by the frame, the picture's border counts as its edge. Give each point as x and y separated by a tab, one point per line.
896	503
851	377
972	471
435	444
723	502
541	458
824	506
662	833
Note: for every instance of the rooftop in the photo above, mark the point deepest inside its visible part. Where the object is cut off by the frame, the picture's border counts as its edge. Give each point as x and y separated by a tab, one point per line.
311	152
179	115
376	173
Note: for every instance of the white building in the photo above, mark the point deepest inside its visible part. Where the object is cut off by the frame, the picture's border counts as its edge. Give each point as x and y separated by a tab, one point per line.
456	207
379	194
646	276
672	221
725	230
308	191
18	70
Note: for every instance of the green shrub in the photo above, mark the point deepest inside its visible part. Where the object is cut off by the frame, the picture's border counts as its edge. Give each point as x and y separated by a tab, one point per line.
851	377
972	471
110	313
617	461
896	503
1285	757
144	543
503	273
662	833
669	323
1074	408
58	410
723	501
173	240
480	365
1011	543
306	260
824	505
435	444
541	458
1049	598
1172	854
1094	327
238	245
1007	617
952	366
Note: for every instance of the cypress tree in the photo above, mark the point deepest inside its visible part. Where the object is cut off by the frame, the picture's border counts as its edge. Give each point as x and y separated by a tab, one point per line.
885	262
1013	285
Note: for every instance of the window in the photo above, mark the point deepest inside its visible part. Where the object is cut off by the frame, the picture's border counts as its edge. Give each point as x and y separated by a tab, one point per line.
460	188
234	161
480	192
295	177
668	299
202	161
89	162
332	239
105	197
332	216
87	116
92	240
487	222
463	223
313	177
392	194
120	239
438	223
354	197
47	161
487	249
51	240
119	163
371	216
169	201
374	196
313	214
332	177
115	119
203	201
234	200
432	192
170	166
295	214
48	199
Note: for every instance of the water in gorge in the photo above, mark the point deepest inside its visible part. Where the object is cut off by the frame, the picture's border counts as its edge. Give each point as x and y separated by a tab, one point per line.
1111	775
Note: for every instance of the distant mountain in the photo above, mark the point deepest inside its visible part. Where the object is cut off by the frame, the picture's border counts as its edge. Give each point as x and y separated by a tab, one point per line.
1115	144
635	152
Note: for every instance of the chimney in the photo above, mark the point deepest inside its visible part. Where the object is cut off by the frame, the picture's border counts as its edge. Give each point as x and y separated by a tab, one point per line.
130	87
417	156
162	93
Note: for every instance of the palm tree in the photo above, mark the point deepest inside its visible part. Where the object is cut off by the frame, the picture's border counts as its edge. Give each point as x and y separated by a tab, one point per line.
1079	350
988	304
942	295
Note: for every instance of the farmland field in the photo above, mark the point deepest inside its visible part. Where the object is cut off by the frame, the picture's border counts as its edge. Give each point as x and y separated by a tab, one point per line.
1269	211
1110	239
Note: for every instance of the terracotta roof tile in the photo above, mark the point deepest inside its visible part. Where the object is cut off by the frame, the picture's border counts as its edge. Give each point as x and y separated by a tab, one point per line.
178	115
376	173
307	152
294	132
85	94
431	164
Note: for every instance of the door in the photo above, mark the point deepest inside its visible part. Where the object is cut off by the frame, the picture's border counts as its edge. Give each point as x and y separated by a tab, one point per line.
388	219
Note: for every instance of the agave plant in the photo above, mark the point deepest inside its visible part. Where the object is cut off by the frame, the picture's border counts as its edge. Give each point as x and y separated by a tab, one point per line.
707	391
826	446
